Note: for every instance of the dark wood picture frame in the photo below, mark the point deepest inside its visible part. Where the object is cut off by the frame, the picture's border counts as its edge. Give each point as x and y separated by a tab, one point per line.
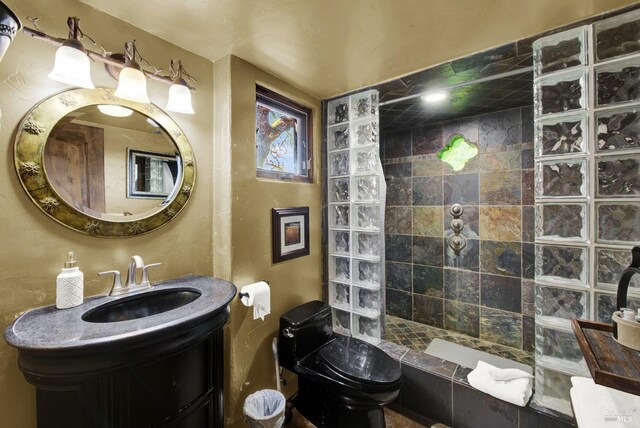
293	234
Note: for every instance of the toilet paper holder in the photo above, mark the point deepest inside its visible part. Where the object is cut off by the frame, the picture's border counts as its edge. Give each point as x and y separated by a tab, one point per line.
241	295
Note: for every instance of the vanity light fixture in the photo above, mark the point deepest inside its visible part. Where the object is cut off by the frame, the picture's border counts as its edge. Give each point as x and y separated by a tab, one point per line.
72	65
114	110
179	93
132	85
434	97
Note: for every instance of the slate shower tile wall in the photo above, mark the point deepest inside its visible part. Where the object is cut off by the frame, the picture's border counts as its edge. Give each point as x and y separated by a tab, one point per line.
485	292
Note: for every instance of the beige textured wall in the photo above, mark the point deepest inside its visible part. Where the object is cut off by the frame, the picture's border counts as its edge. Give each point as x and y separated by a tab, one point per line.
34	246
224	230
250	362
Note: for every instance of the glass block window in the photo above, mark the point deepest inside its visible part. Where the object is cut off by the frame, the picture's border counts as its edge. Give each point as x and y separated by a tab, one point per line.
561	179
560	51
617	36
587	187
566	135
618	176
618	129
561	264
561	92
609	266
356	194
618	82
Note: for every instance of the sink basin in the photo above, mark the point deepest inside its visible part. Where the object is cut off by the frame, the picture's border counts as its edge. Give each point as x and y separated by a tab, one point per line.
141	305
143	326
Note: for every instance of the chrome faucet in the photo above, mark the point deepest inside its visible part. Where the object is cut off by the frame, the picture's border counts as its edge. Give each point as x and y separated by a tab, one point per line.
131	284
134	264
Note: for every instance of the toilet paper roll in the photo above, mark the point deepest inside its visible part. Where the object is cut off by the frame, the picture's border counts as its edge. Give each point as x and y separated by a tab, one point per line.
257	295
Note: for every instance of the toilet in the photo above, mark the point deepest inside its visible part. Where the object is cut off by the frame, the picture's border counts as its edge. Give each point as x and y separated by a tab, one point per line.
342	381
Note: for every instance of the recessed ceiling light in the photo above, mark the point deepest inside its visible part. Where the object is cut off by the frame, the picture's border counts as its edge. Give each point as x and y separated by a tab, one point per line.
434	97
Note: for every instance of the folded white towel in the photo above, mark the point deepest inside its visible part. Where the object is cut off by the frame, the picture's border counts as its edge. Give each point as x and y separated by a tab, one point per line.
597	406
511	385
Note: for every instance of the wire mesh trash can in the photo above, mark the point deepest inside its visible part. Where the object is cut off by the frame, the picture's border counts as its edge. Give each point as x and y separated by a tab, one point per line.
265	409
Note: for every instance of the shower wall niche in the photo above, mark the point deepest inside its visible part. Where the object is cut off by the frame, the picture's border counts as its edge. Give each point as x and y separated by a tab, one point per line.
587	187
487	290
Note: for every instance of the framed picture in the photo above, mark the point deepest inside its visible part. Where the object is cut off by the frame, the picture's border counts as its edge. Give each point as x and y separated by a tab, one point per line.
289	233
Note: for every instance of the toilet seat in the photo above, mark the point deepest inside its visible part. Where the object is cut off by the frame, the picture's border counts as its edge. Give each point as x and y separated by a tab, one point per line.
359	363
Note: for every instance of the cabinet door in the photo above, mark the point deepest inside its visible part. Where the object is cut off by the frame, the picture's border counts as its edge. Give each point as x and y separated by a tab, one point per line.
159	390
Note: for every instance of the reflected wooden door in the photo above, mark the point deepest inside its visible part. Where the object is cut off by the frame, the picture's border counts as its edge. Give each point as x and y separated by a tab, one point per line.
74	161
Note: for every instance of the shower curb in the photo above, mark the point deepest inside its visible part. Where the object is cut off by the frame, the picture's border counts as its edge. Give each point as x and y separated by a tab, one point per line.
438	390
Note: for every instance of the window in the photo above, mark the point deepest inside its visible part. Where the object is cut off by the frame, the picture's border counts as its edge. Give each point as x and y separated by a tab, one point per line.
283	137
152	175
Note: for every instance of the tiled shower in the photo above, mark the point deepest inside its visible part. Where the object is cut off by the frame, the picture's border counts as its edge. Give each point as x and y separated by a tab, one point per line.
550	202
486	291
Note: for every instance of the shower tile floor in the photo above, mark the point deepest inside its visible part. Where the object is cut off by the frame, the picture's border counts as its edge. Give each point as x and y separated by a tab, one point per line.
418	336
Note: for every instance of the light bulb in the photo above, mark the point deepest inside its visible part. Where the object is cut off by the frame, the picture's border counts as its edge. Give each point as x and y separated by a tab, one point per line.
179	98
132	85
72	66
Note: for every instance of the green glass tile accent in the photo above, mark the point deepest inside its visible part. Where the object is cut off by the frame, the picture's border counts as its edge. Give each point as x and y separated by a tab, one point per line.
457	152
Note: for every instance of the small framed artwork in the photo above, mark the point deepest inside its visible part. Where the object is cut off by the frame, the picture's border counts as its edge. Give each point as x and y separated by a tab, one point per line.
289	233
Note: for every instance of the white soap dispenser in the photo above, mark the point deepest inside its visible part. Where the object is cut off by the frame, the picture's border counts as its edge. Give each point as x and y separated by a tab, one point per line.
69	284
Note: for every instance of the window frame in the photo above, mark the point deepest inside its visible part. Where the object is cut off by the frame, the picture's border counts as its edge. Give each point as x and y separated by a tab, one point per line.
272	99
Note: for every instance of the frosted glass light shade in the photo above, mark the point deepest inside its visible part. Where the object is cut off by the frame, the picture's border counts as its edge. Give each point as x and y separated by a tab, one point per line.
72	66
132	86
114	110
179	99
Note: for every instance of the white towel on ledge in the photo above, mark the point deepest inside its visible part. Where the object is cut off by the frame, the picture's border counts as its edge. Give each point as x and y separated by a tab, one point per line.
597	406
511	385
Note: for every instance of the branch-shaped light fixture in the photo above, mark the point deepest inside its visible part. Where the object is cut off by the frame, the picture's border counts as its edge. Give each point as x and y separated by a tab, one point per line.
132	85
72	66
179	93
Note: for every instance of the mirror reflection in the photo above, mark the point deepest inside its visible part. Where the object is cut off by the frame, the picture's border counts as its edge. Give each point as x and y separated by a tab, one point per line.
112	164
152	175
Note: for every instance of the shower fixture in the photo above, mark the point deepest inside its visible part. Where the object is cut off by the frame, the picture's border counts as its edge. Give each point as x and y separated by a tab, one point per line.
456	241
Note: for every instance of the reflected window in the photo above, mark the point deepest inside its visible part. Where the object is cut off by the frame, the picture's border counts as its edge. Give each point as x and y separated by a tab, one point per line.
283	137
152	175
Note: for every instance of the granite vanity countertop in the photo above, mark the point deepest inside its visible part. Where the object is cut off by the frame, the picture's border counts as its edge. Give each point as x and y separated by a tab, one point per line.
50	329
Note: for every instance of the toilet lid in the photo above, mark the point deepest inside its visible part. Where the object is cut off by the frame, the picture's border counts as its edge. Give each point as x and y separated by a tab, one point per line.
360	360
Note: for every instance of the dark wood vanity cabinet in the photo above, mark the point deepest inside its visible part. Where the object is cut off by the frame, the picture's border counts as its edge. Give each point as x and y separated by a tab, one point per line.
144	366
182	389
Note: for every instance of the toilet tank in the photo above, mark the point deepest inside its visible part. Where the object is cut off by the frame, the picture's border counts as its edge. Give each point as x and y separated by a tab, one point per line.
303	329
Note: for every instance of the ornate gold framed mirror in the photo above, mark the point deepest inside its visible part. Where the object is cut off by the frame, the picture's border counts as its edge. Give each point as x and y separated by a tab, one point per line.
73	157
